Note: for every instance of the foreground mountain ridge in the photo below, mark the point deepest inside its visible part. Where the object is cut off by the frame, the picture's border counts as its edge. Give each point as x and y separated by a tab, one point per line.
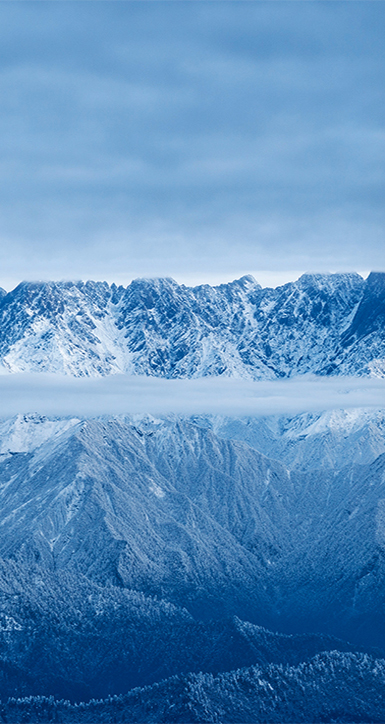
171	509
349	689
322	324
135	549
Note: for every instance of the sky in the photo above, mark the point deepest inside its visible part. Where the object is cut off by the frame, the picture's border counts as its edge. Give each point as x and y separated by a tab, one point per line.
52	395
198	140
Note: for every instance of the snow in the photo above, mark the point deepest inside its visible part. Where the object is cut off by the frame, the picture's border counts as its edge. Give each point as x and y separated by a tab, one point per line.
25	433
159	328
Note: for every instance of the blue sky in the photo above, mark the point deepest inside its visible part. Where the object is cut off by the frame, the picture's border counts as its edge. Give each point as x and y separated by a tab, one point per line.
199	140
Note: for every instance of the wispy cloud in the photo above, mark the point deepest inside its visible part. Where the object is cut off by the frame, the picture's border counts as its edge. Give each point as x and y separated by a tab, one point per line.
120	394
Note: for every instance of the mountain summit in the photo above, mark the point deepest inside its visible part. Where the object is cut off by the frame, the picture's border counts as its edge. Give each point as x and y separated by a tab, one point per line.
321	324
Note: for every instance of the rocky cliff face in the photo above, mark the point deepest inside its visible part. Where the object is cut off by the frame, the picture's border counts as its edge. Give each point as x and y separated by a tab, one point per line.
322	324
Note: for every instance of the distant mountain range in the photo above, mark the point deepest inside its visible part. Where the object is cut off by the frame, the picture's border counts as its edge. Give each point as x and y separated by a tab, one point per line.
322	324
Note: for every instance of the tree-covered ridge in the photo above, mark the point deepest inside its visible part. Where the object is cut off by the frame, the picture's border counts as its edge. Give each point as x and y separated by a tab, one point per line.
329	687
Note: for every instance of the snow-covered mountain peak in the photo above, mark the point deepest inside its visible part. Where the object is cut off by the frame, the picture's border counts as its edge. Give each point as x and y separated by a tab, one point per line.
247	283
329	281
25	433
323	324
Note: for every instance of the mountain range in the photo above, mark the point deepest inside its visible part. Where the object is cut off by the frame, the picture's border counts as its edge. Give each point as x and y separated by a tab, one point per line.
322	324
194	568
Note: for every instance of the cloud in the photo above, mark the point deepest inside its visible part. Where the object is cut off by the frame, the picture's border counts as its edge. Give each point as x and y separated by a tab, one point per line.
123	394
162	138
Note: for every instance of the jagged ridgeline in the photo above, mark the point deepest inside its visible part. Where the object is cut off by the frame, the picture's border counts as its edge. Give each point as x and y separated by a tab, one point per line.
324	324
194	569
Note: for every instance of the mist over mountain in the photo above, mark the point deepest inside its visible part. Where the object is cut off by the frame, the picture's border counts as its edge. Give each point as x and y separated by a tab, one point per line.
194	567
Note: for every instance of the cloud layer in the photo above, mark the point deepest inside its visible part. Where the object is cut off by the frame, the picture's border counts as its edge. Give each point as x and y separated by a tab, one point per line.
122	394
170	138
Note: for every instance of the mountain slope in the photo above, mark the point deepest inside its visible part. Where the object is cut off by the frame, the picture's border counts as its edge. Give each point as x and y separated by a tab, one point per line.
62	635
170	509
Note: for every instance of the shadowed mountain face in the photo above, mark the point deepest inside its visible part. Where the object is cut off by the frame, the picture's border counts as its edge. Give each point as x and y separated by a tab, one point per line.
370	315
330	687
323	324
65	636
